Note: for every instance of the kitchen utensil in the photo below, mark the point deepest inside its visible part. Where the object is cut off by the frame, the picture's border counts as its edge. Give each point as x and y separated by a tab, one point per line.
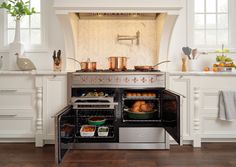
117	63
187	51
57	60
184	66
140	115
86	65
96	121
149	68
194	53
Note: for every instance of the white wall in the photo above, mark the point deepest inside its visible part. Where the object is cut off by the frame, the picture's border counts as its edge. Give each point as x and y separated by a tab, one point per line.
181	38
54	39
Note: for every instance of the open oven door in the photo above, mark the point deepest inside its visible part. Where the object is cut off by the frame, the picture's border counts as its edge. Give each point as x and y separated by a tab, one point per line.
172	115
64	132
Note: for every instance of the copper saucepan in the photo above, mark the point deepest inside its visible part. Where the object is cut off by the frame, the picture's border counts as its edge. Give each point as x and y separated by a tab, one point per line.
86	65
117	63
149	68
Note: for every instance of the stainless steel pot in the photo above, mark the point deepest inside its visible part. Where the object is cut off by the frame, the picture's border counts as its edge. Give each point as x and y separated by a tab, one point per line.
117	63
86	65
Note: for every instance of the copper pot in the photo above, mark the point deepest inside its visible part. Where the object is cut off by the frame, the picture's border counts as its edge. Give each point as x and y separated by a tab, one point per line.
86	65
117	63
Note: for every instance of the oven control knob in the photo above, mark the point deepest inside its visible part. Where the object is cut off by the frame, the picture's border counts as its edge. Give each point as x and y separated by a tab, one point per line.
100	79
152	80
83	79
126	79
117	79
109	79
143	80
135	80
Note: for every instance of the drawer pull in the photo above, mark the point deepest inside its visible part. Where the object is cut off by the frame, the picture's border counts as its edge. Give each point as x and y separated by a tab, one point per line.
8	90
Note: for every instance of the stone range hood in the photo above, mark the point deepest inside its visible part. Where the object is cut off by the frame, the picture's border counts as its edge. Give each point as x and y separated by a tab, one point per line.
167	12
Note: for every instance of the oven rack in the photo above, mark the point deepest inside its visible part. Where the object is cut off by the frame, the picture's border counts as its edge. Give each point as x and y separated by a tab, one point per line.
107	99
105	116
141	120
82	121
141	98
95	112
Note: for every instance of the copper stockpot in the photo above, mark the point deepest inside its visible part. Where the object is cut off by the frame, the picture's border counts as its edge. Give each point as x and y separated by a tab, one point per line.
117	63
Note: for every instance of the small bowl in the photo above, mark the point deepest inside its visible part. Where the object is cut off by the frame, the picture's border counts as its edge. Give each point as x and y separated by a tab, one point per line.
96	121
103	131
89	133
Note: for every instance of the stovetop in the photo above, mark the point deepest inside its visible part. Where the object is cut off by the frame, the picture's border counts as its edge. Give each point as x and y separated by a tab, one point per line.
128	70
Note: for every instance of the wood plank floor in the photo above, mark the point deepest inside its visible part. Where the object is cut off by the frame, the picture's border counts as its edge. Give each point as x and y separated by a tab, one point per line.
210	155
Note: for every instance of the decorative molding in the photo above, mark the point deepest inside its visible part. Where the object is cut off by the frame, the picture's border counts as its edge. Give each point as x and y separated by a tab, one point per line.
196	122
39	117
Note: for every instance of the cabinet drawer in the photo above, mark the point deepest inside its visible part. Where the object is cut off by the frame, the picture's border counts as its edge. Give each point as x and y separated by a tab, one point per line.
141	135
211	125
16	82
16	126
20	100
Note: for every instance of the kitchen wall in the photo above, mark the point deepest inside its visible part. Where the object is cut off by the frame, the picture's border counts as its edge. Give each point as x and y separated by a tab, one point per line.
97	40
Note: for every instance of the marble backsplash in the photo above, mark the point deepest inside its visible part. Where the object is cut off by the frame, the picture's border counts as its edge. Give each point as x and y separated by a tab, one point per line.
97	40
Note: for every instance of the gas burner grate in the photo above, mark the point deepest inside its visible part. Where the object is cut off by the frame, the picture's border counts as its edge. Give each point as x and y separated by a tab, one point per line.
128	70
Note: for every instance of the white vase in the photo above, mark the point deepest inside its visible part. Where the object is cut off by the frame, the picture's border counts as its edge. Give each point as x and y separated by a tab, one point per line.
15	47
192	65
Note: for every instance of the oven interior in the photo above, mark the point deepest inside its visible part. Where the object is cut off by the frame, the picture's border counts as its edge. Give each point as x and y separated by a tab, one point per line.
118	106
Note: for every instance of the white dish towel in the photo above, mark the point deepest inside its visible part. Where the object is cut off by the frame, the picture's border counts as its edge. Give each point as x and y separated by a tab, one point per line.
227	105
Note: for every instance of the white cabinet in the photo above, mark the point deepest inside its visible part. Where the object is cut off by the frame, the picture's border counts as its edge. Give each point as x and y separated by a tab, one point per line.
54	99
28	100
211	127
17	107
200	122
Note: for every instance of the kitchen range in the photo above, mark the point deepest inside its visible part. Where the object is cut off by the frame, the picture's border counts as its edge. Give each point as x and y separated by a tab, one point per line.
118	110
126	106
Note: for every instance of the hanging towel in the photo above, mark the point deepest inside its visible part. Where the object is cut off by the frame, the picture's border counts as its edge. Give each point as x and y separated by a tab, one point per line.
227	105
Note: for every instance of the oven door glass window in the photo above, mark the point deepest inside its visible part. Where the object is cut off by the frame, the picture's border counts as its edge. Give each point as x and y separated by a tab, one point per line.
65	130
171	115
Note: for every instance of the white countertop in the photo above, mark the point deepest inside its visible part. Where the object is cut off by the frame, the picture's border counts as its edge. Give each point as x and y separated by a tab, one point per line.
171	73
32	73
202	73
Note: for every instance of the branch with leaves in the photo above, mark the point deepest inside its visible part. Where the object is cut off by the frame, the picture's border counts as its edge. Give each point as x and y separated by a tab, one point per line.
17	8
